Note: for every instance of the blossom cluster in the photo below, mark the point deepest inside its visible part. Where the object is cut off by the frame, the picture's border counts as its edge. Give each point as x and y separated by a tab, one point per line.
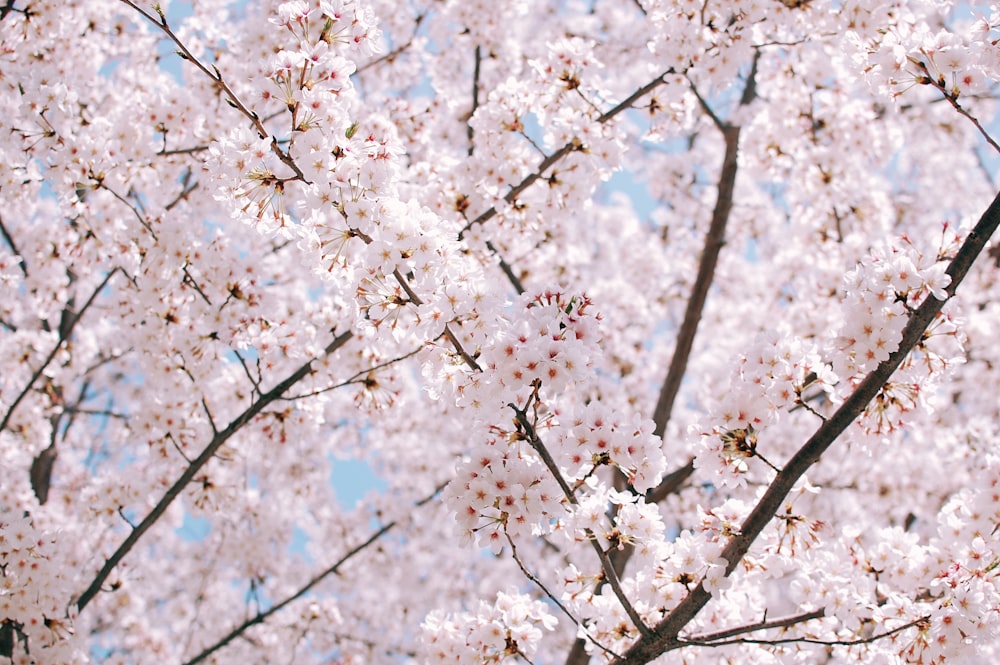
32	595
504	488
551	340
940	592
881	291
777	372
509	628
906	53
245	244
593	435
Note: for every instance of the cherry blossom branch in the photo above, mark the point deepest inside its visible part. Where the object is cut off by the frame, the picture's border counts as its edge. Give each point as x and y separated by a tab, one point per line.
546	163
189	473
952	97
671	483
182	151
391	56
571	146
810	640
783	622
13	247
186	189
356	377
475	99
714	240
65	331
665	634
412	295
505	267
160	21
260	617
541	585
286	158
610	575
7	8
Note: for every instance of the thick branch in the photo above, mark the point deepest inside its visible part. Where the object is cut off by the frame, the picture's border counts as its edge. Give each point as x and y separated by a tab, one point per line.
217	441
714	240
665	635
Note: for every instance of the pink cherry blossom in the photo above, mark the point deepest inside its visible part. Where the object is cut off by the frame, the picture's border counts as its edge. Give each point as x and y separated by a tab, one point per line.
620	331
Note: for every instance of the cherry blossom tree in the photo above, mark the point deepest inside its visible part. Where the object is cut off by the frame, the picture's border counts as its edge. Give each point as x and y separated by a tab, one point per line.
668	327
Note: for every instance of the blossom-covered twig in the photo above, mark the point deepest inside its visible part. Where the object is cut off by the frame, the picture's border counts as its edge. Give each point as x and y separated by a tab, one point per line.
192	469
610	575
333	569
665	634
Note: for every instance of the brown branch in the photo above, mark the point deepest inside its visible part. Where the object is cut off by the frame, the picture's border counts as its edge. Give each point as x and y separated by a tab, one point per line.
216	76
412	295
10	242
356	377
65	331
395	53
475	99
505	267
811	640
665	635
6	9
783	622
189	473
714	240
671	483
541	585
608	568
260	617
182	151
952	97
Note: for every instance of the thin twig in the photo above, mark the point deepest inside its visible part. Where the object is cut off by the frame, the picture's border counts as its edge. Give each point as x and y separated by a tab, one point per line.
810	640
541	585
505	267
610	576
189	473
783	622
182	151
396	52
355	378
215	75
260	617
572	146
64	335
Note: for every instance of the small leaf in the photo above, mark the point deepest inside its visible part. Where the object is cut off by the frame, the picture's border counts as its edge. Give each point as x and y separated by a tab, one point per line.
351	131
